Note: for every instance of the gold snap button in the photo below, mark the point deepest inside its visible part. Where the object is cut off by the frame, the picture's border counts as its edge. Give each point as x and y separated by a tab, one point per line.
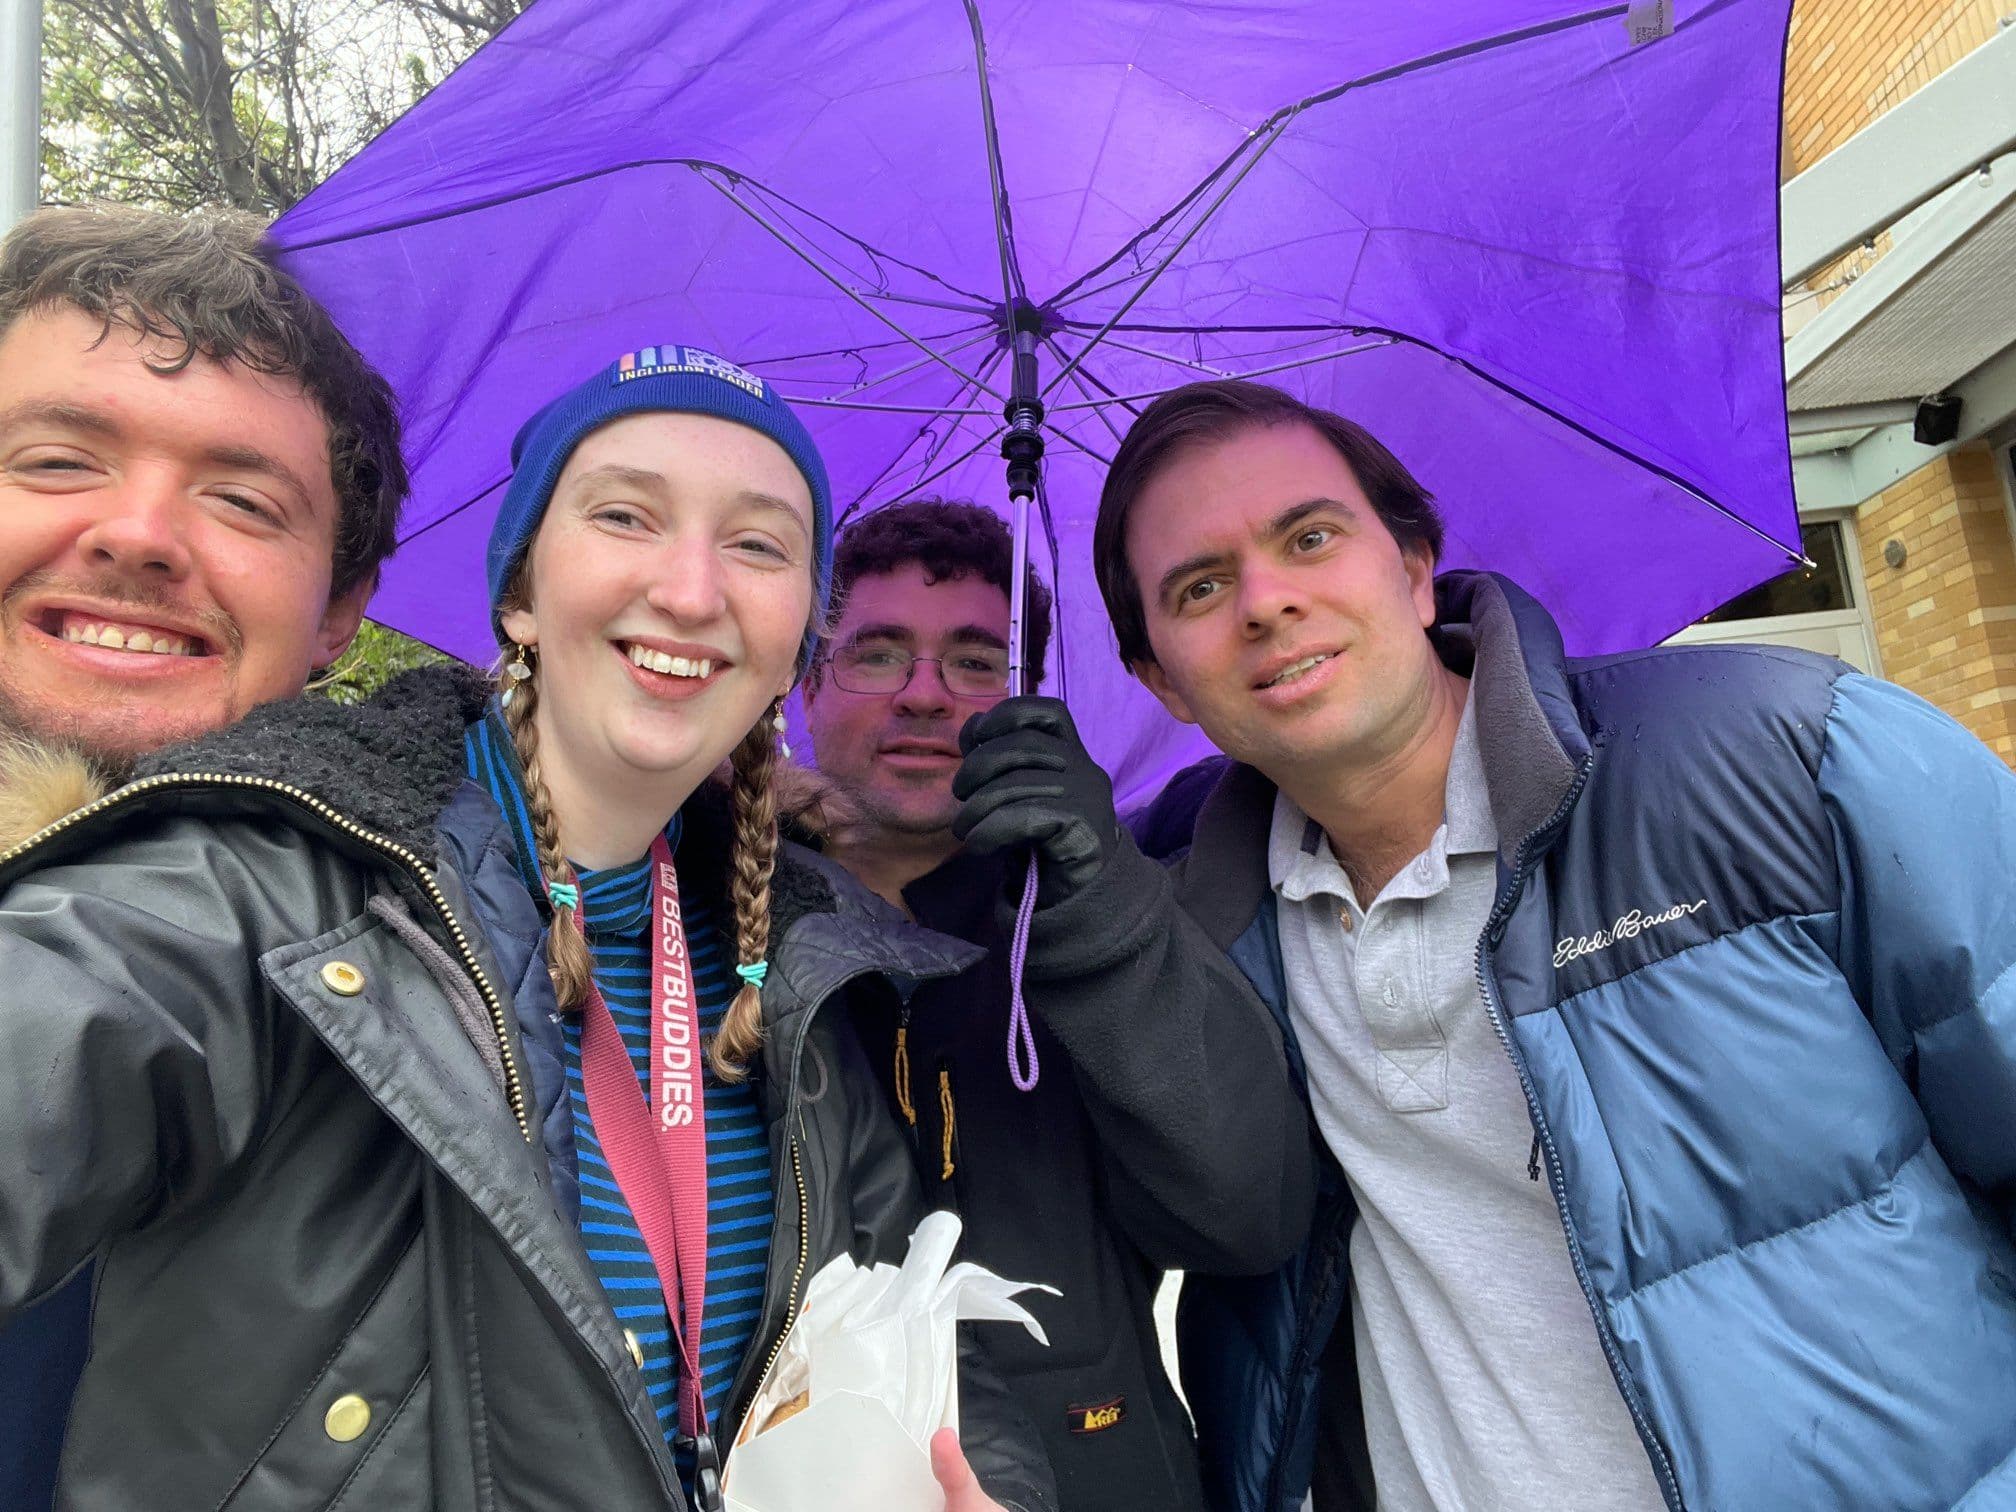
343	979
347	1418
636	1349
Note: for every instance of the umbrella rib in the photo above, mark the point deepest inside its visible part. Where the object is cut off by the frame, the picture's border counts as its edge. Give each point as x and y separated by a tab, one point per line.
910	367
1796	557
1147	283
1394	337
944	439
700	167
1076	288
1096	456
1079	380
931	453
859	347
1113	395
1173	361
1302	362
973	304
1059	656
1256	371
957	462
407	538
850	291
1004	236
918	299
880	409
1274	329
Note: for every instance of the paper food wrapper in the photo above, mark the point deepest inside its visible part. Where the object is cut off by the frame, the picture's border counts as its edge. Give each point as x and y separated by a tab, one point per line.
867	1374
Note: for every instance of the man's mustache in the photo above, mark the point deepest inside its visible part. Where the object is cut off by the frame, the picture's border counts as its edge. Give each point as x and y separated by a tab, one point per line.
220	630
920	729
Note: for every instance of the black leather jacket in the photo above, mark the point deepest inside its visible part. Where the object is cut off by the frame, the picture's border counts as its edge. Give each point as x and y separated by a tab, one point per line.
262	1058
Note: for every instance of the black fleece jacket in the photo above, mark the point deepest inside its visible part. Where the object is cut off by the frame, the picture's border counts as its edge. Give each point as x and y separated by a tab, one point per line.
1163	1134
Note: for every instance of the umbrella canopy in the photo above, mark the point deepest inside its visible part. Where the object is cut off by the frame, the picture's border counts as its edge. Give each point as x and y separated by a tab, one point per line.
1529	245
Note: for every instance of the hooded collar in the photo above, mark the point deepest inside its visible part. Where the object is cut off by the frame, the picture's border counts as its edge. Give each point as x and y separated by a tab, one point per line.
390	764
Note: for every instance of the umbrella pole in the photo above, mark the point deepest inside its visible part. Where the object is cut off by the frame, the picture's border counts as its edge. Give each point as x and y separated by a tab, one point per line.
1018	599
1022	449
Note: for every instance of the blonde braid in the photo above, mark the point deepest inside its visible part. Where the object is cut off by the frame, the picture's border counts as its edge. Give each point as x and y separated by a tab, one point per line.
567	957
753	862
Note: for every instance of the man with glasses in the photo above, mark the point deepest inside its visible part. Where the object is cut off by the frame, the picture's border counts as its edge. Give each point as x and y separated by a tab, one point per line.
1117	1164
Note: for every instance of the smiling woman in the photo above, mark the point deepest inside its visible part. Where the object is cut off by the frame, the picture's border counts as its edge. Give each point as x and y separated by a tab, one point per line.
657	573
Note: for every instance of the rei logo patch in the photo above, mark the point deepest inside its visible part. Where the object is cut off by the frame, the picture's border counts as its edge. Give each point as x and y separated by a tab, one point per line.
1095	1417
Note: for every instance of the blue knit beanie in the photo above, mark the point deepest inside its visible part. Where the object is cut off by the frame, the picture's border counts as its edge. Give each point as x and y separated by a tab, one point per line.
675	379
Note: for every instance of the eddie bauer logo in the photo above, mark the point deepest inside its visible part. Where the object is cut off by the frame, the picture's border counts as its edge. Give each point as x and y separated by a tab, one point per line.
1628	927
1096	1416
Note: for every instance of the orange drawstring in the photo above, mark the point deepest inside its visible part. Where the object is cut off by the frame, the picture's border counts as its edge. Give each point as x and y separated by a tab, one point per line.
951	1120
903	1074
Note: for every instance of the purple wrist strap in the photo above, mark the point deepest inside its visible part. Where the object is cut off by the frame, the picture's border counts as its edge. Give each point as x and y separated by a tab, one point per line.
1021	1042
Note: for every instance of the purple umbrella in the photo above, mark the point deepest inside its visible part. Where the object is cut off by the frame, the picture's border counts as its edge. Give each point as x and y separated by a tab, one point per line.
1531	245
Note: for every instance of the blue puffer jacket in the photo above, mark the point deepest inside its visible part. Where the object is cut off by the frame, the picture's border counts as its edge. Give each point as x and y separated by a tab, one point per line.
1754	957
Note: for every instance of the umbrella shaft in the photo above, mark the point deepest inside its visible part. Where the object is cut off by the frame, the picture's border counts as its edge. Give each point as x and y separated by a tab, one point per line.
1018	599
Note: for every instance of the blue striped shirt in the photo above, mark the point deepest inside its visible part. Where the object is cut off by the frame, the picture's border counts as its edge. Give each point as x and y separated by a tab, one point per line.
616	908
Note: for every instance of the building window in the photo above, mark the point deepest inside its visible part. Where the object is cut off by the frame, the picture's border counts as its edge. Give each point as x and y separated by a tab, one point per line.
1818	608
1823	588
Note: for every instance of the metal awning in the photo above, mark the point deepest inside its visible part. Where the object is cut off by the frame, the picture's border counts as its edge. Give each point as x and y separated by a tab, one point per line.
1935	315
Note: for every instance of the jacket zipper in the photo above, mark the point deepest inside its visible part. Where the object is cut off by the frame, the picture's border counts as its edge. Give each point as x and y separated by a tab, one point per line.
1271	1497
797	1276
804	1218
514	1089
1556	1179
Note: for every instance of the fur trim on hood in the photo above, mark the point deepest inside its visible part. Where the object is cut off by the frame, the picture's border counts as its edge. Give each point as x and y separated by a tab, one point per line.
390	764
39	785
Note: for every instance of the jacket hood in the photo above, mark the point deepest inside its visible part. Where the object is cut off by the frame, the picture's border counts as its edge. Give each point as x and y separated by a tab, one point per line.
390	764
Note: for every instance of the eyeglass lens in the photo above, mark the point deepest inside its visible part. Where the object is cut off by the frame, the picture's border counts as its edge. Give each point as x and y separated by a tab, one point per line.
975	671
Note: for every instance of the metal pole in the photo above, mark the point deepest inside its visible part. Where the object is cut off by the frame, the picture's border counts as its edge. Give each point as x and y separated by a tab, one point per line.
20	109
1018	599
1022	450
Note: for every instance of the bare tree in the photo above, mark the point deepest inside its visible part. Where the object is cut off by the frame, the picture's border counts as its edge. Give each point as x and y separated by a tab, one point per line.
475	21
179	103
242	102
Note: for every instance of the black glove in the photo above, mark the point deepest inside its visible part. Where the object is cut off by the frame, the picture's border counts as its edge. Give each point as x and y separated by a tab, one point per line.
1028	781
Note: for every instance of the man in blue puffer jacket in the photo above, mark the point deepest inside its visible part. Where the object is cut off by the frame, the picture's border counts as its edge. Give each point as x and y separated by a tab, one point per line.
1657	1013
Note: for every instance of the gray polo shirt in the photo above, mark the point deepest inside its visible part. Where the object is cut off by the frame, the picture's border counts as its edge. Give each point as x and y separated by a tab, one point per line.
1485	1388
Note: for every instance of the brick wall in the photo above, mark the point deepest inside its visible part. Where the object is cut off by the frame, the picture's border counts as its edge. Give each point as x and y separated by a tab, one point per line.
1946	620
1850	60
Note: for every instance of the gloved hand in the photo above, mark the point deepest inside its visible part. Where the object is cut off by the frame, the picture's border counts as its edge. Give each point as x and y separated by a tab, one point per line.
1028	780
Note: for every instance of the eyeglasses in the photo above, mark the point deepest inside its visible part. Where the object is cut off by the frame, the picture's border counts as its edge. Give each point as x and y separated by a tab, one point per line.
974	672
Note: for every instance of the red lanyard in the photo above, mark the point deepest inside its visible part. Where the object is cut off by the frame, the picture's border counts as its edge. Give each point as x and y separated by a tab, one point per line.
657	1151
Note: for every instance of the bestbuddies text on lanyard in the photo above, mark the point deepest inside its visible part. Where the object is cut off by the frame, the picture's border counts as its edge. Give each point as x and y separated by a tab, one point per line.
657	1148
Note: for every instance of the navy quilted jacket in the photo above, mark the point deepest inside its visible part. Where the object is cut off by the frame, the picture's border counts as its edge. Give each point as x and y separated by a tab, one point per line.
1754	957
